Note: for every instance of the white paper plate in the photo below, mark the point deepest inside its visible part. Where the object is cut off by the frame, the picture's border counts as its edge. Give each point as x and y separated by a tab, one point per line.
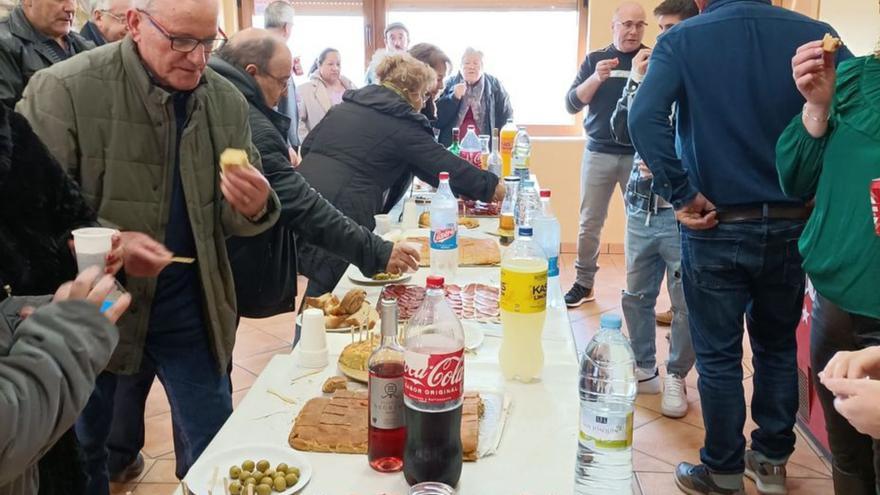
200	476
473	335
359	278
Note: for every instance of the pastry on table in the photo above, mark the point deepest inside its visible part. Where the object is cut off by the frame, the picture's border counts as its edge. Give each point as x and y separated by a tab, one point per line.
354	357
334	383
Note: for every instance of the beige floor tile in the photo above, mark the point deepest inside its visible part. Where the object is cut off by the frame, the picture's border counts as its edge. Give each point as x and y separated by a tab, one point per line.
122	489
250	342
242	378
671	440
281	327
805	456
162	472
644	463
158	437
644	416
156	489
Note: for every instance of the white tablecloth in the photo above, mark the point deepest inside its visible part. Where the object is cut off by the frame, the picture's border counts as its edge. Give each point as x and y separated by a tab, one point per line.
538	447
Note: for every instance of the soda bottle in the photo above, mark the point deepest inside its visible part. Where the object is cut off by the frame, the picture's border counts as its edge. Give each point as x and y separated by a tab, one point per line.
387	430
608	392
485	151
547	234
444	230
433	390
495	163
455	147
522	152
523	308
527	204
508	135
470	150
507	220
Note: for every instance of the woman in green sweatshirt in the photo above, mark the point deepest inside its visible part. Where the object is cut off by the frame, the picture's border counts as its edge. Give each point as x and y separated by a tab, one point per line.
831	152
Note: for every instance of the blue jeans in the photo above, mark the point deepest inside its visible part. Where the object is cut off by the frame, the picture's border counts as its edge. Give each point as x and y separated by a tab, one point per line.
199	394
752	269
653	247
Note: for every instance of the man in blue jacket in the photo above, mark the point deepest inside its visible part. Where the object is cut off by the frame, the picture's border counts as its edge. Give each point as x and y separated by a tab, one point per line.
729	71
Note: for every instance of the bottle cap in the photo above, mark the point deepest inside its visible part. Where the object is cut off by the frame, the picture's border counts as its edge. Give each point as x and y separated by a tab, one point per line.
444	175
545	193
612	321
512	178
525	231
435	282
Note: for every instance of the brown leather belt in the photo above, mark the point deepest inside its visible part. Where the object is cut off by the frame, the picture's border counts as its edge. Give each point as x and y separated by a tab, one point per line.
765	211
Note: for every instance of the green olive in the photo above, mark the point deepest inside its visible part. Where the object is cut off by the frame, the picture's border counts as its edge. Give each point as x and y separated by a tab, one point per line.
258	475
250	481
234	471
265	480
243	475
264	490
269	472
248	465
294	470
235	488
280	484
291	479
282	468
263	465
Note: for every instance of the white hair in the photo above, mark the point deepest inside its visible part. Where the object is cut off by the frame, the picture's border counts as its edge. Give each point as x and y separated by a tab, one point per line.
472	52
278	14
99	5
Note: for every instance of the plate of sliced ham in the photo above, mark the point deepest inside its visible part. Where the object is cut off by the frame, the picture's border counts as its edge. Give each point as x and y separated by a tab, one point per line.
477	302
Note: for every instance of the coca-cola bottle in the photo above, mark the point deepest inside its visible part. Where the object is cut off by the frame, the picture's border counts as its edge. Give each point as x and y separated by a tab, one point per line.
387	430
433	390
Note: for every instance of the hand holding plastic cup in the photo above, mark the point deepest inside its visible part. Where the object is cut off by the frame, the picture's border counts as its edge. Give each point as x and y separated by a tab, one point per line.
92	245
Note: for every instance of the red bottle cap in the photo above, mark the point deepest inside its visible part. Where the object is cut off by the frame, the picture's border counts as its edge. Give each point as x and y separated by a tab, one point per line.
545	193
435	282
444	175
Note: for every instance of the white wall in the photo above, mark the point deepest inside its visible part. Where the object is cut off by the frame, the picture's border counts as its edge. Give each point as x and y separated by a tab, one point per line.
858	22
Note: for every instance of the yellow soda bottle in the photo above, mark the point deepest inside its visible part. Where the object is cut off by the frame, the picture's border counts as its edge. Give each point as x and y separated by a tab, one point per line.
508	136
523	308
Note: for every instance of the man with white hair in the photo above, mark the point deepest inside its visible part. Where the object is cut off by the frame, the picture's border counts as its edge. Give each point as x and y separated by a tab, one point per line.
147	159
106	21
396	41
279	20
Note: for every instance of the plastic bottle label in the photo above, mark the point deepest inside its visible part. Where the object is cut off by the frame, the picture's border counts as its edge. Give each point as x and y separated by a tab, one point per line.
433	378
523	292
606	432
386	402
553	266
445	238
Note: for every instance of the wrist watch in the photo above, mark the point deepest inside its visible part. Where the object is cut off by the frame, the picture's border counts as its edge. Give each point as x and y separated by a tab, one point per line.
260	214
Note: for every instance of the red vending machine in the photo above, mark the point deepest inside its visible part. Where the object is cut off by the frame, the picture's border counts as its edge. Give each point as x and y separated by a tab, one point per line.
810	414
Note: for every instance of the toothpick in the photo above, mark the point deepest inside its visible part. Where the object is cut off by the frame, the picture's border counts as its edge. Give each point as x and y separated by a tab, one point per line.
213	480
250	489
276	394
226	485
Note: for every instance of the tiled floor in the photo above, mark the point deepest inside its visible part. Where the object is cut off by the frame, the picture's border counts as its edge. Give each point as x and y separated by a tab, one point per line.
659	442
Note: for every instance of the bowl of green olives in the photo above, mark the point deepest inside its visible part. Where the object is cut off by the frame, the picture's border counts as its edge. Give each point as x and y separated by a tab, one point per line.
264	470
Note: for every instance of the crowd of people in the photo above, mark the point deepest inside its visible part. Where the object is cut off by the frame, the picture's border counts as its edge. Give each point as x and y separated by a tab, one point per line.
737	182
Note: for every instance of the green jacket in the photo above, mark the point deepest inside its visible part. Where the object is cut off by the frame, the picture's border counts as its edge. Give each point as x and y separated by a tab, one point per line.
104	119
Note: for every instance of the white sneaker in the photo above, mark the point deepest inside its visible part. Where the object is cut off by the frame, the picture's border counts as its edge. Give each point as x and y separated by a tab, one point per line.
674	403
649	381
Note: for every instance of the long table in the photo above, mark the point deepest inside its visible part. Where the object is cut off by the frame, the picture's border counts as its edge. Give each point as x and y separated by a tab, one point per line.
538	447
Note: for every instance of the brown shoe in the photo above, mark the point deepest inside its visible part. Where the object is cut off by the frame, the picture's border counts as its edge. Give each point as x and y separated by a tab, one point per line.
664	319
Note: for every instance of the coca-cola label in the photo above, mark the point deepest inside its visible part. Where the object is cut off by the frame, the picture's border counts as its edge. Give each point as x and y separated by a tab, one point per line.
475	158
434	378
386	402
445	238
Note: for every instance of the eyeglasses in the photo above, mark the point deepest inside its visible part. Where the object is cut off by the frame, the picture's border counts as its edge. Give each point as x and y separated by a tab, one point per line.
282	81
183	44
116	17
630	25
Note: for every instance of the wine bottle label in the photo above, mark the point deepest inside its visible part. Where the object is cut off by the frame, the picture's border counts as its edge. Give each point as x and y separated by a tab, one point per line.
434	378
386	402
606	432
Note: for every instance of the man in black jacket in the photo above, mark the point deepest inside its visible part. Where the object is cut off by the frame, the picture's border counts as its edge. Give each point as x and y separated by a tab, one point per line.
36	35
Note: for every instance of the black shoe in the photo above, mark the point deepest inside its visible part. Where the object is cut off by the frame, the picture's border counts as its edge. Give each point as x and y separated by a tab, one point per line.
578	294
130	472
696	480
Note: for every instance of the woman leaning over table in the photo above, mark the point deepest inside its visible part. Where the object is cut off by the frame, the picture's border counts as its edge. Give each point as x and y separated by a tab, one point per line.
323	91
832	152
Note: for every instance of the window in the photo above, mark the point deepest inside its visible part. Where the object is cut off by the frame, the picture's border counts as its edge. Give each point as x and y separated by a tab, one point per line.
320	25
529	51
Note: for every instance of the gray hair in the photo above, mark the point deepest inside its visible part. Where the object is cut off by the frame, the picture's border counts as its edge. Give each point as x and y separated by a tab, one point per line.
144	5
98	5
471	52
278	14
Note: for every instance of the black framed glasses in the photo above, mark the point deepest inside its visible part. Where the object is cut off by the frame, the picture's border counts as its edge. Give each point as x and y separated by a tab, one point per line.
282	81
185	44
120	18
630	25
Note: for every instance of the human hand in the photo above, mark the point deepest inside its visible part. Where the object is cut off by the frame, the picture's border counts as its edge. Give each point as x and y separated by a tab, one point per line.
500	192
143	256
82	289
815	75
404	257
297	66
458	90
699	214
856	400
245	189
859	364
640	62
604	68
295	159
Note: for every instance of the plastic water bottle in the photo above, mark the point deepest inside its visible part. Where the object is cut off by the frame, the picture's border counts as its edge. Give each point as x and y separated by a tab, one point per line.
470	149
444	230
547	234
608	392
527	204
522	152
523	308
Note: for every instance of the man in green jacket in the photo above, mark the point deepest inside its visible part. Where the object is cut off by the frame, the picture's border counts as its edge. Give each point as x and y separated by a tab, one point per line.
140	125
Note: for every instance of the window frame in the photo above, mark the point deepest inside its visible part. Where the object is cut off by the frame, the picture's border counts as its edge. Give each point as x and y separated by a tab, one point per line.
375	13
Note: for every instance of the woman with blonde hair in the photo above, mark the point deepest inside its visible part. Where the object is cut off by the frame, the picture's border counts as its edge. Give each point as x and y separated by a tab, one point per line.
364	154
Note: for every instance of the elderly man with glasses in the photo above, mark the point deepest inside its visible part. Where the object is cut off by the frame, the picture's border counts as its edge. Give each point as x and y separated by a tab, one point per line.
141	125
36	35
107	21
606	163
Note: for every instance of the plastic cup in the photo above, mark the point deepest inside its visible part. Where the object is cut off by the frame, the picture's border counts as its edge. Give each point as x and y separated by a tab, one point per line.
92	245
411	213
313	342
383	224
